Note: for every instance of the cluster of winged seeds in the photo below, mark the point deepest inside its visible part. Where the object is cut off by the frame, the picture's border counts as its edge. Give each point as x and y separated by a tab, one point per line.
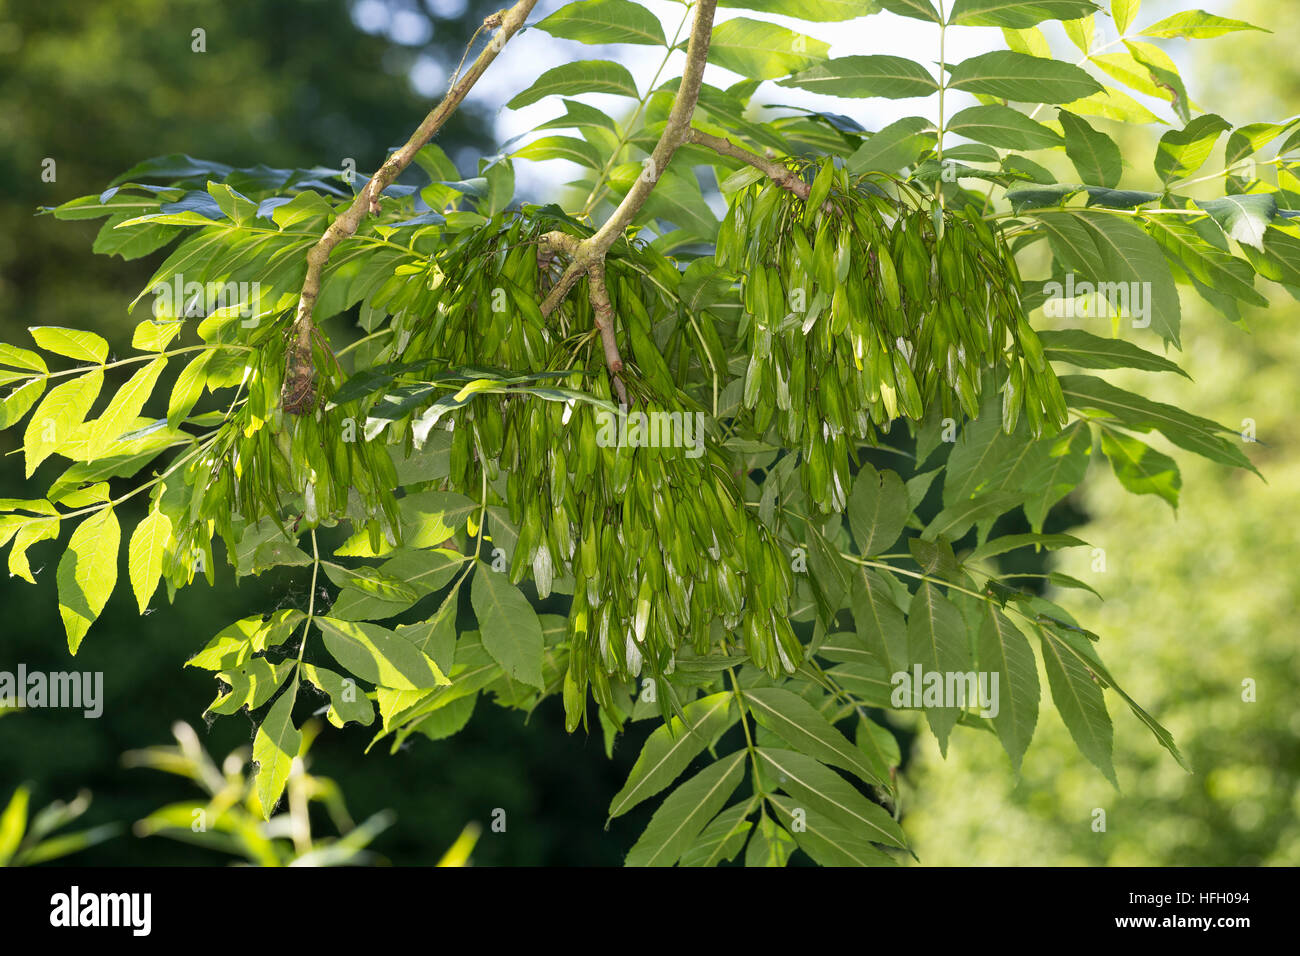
627	521
862	309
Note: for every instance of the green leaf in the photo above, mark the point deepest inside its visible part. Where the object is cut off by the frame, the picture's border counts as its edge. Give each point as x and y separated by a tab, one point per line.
1010	542
830	574
123	410
583	76
1064	467
1030	40
428	519
509	626
234	643
1079	701
145	555
562	147
762	51
676	198
879	622
894	146
1081	31
14	357
1205	262
373	582
1125	68
936	558
816	11
1248	140
74	343
188	389
605	21
916	9
825	792
263	545
980	448
672	746
275	744
1017	14
347	702
722	839
58	416
877	509
578	115
377	655
955	520
1095	155
422	572
803	727
826	842
1023	78
880	747
88	573
1092	351
936	639
683	815
1164	74
152	335
1244	217
1002	649
1003	127
1125	260
1082	648
1196	25
1140	468
1182	152
1281	259
770	845
13	824
1124	11
1196	434
252	684
17	402
892	77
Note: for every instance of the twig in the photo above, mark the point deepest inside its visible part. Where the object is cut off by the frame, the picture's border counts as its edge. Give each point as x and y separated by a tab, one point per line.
779	173
675	134
604	311
298	393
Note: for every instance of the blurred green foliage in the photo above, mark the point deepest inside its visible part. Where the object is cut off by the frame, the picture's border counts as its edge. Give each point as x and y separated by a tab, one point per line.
98	87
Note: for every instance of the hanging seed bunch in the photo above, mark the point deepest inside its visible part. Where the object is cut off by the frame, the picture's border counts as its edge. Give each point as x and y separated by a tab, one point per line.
591	497
262	463
861	309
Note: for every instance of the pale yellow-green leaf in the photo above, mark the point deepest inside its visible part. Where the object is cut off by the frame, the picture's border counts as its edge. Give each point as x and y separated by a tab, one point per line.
145	554
74	343
58	415
87	573
14	405
36	529
275	745
122	410
13	824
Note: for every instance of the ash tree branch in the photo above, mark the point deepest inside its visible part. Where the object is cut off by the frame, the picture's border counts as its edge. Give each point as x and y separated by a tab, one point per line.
590	253
778	172
298	393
